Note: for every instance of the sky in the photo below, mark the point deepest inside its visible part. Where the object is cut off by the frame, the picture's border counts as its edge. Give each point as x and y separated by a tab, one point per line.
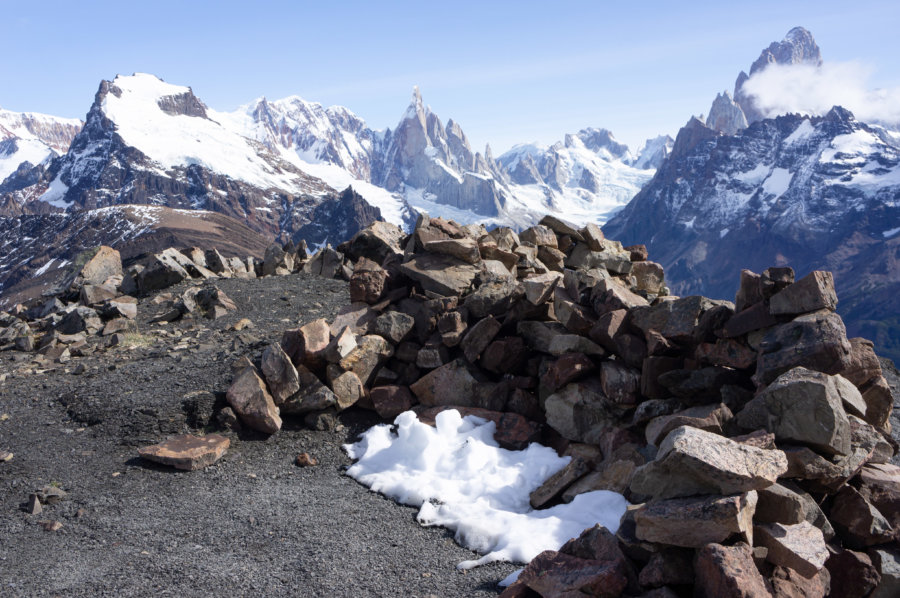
507	72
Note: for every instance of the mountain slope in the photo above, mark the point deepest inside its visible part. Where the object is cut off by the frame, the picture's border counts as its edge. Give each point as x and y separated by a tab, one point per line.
806	192
33	138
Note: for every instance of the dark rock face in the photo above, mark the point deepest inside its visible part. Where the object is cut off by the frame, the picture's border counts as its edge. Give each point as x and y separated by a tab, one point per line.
790	191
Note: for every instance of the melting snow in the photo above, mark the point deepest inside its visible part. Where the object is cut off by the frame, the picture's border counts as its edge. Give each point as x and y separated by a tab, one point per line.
45	267
460	478
802	132
55	193
890	233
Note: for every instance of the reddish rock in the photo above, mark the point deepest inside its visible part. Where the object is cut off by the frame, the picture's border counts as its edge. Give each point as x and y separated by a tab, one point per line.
696	521
879	402
726	352
568	368
450	384
391	401
749	292
253	403
728	572
812	292
554	573
513	431
305	460
787	583
505	355
609	296
652	368
107	262
864	365
670	566
638	253
607	328
800	546
710	418
357	316
755	317
632	349
880	485
852	574
675	319
280	373
858	522
555	484
620	383
367	281
478	337
347	389
187	452
464	249
306	345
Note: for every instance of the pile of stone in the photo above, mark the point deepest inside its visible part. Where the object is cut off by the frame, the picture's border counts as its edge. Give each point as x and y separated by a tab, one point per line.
751	437
97	304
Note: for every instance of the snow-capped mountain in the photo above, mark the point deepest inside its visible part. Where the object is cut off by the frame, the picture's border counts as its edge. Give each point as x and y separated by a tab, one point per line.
33	138
585	178
810	192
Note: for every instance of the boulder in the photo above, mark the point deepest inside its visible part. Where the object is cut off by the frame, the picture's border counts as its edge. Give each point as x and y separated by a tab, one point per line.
817	341
696	521
280	373
377	241
800	546
579	411
450	384
554	573
887	561
104	264
864	365
812	292
649	277
313	396
187	452
367	281
370	354
92	294
538	235
802	406
728	572
559	481
391	401
464	249
710	418
675	320
394	326
620	383
441	274
253	403
561	227
692	461
340	346
539	289
347	389
880	485
307	344
858	522
852	574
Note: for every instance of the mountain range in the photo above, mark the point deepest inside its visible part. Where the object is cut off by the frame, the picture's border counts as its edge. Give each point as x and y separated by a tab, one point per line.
735	189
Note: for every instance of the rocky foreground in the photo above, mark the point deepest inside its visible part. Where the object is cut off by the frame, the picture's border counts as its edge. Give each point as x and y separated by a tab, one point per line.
753	438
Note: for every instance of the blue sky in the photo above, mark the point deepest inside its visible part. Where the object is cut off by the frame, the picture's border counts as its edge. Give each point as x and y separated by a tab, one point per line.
508	72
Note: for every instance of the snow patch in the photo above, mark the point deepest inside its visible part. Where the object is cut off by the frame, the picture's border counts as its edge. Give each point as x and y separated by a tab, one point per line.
890	233
461	479
778	182
801	133
45	267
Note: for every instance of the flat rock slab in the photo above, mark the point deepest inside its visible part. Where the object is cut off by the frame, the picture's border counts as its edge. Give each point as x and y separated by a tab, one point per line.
187	452
696	521
800	547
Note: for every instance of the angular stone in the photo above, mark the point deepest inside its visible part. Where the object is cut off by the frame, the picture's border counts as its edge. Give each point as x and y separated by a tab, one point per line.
754	317
812	292
539	335
253	403
858	522
852	574
561	344
710	418
367	281
492	297
887	561
493	253
538	235
559	481
561	227
726	352
370	354
802	406
107	262
357	316
92	294
701	385
649	277
280	374
504	355
313	396
450	384
615	477
78	320
692	461
669	566
607	329
394	326
391	401
579	411
696	521
187	452
164	270
377	241
347	389
340	346
610	295
880	485
728	572
611	259
675	320
464	249
214	261
557	574
800	546
441	274
817	341
620	383
432	356
864	365
651	370
593	236
551	257
539	289
567	368
879	403
779	504
306	345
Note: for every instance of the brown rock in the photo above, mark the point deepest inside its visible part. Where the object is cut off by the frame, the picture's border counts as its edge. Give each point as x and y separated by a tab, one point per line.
305	460
710	418
609	296
787	583
879	402
367	281
638	253
357	316
551	257
107	262
539	289
728	572
306	345
559	481
649	276
852	574
441	274
691	461
651	369
812	292
615	476
696	521
554	573
675	320
880	485
670	566
312	396
464	249
347	390
817	341
620	383
394	326
391	401
450	384
253	403
478	337
608	327
749	292
726	352
92	294
579	411
858	522
568	368
505	355
754	317
800	546
370	354
340	346
280	374
864	365
187	452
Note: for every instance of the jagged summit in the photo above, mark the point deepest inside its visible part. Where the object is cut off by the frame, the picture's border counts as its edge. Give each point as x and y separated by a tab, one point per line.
797	47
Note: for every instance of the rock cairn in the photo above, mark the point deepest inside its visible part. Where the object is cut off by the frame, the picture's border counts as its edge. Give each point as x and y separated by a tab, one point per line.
751	437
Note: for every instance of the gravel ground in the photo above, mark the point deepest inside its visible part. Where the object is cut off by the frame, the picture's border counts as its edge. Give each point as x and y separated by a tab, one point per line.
252	524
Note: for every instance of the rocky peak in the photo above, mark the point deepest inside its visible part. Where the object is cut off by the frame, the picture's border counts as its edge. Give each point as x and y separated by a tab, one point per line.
653	152
690	135
725	115
797	47
602	139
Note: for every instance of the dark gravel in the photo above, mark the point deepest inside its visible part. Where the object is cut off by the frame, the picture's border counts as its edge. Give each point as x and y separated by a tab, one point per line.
254	524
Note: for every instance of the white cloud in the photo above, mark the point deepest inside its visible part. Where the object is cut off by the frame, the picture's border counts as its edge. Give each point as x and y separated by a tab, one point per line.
807	89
